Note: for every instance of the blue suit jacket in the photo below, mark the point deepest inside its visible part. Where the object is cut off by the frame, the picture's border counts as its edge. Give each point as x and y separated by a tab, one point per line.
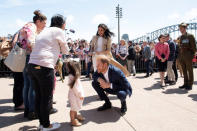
117	79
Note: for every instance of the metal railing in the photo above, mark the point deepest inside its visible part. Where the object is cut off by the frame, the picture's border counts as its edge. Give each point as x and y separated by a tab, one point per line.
139	65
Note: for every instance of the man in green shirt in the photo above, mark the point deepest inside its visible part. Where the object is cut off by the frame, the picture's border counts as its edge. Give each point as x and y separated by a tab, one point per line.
187	51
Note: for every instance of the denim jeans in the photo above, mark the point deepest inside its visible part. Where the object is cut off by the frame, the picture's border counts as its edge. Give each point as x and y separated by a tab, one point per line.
147	64
89	68
28	92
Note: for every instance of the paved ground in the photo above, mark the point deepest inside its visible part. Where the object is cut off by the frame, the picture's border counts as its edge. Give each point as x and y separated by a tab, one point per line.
149	109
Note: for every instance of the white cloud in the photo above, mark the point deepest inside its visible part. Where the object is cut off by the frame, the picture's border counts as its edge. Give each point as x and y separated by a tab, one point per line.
192	14
100	18
83	0
12	3
174	16
20	23
186	17
70	19
44	1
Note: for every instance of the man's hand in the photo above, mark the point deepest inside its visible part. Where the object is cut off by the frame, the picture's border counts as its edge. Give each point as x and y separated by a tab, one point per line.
103	84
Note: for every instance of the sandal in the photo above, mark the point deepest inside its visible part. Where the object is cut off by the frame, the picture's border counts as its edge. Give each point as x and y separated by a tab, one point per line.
80	118
75	122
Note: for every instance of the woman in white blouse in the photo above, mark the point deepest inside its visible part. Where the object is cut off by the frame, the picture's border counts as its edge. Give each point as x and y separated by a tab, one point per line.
122	53
49	43
101	45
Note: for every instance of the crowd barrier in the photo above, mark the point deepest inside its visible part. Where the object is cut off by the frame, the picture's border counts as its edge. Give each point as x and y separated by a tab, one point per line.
139	64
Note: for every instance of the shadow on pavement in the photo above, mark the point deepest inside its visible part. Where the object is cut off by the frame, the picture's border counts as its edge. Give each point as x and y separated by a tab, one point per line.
193	96
140	77
195	82
65	126
10	120
95	116
28	128
7	109
94	98
4	101
175	91
156	86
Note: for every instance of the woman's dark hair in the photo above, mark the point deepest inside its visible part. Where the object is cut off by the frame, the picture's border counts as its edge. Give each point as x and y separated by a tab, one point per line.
57	21
160	37
74	69
39	16
107	32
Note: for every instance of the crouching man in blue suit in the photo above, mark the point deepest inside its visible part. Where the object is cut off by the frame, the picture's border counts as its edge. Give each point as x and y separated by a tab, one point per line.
109	79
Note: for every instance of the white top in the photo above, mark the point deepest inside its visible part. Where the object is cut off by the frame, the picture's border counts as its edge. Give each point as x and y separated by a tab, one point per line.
100	44
122	49
47	47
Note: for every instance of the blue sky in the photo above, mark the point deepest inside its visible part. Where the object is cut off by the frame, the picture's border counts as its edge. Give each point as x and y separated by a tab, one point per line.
139	16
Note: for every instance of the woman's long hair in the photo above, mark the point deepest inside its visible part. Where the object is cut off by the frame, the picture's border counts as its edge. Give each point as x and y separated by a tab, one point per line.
74	69
107	33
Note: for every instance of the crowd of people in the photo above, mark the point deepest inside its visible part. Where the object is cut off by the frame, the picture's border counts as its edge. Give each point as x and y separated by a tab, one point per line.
108	64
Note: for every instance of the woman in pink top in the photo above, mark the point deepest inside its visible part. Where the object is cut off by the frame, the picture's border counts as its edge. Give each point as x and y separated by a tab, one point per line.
162	51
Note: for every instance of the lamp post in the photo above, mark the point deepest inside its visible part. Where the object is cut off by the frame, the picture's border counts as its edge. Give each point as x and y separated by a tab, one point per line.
118	16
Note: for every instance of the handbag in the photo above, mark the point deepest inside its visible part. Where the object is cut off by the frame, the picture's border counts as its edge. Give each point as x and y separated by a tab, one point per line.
16	59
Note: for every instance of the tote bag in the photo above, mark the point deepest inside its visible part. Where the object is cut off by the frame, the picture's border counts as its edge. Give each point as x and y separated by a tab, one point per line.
16	59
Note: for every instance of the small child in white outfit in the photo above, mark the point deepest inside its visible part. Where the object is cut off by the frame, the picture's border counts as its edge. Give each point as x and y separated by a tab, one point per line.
76	93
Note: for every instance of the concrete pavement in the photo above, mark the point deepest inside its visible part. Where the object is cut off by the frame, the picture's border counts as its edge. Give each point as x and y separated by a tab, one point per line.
149	109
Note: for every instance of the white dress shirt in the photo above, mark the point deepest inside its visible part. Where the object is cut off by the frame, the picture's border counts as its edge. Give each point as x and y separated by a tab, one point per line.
107	77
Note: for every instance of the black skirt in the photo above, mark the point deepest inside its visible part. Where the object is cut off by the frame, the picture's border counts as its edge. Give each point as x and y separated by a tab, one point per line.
162	66
122	62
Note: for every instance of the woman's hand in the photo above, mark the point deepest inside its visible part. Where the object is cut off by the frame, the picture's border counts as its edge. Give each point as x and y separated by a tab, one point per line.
123	58
81	98
163	60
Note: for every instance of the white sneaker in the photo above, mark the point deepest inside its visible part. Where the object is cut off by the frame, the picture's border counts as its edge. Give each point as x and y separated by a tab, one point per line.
54	127
40	128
